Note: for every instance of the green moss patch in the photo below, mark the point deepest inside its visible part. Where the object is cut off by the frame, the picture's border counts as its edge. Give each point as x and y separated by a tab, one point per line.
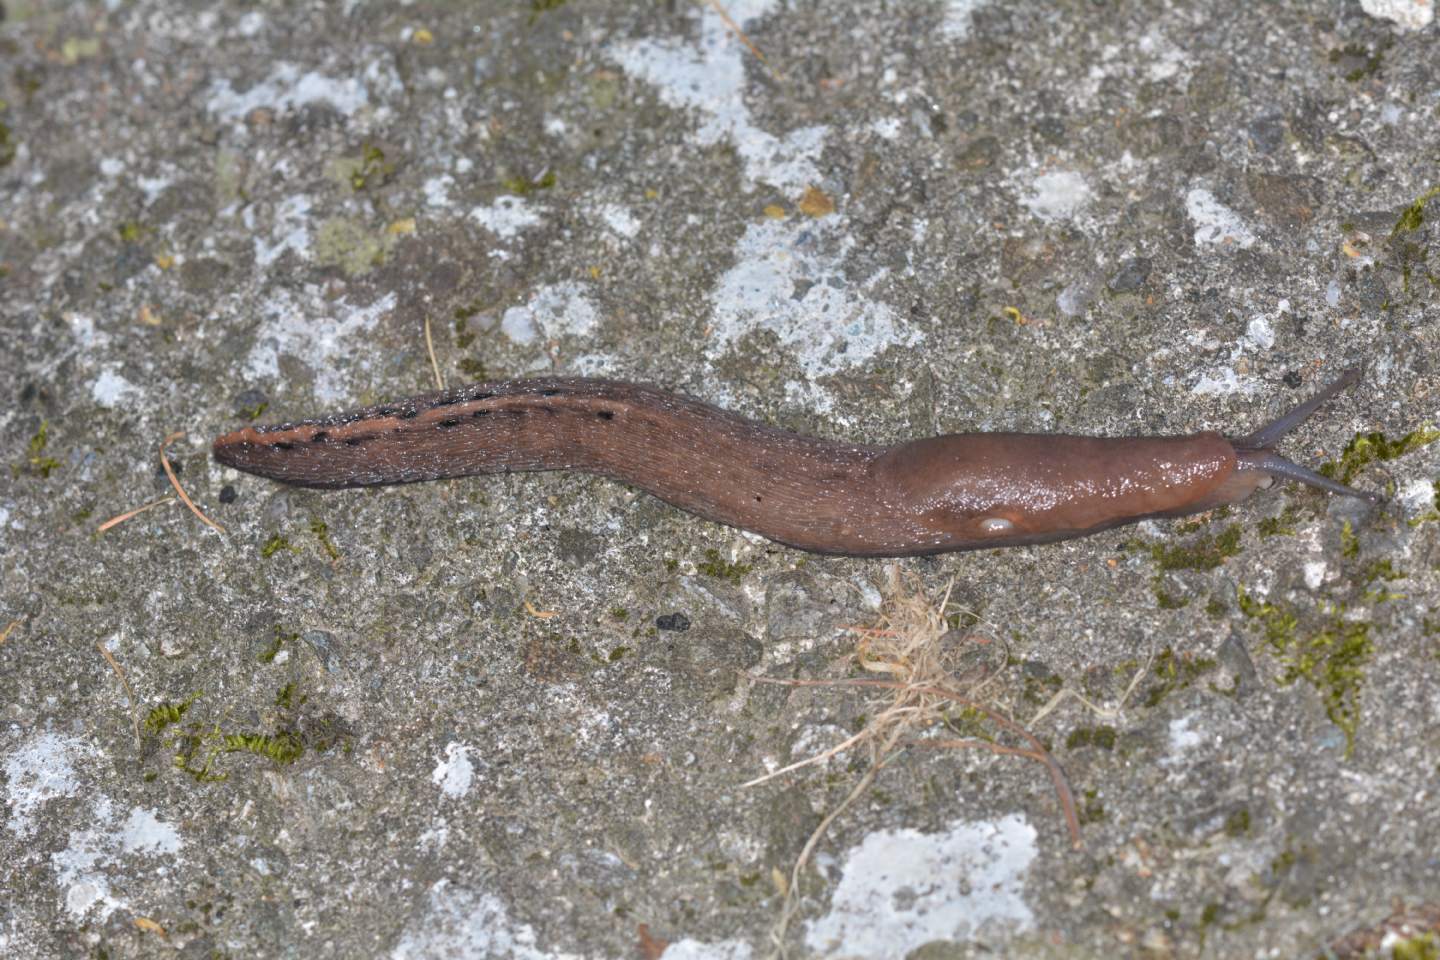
1330	653
1365	448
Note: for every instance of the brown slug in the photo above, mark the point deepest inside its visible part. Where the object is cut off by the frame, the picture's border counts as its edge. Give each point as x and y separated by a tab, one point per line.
953	492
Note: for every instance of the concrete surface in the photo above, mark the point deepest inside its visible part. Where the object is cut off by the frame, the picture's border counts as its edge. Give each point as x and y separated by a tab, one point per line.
444	721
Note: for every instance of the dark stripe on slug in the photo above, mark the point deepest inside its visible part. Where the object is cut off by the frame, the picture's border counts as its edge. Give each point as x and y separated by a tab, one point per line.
410	414
282	445
319	436
446	424
605	414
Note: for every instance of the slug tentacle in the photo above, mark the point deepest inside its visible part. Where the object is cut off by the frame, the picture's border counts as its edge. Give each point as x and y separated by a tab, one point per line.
1271	463
1253	451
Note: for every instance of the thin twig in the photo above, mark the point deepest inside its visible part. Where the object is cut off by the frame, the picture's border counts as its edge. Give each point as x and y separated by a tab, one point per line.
9	629
175	481
792	895
1057	774
134	711
1104	713
116	521
434	364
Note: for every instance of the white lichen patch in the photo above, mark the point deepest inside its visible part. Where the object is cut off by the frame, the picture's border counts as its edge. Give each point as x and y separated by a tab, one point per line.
1215	223
286	89
788	278
901	889
454	774
1183	737
557	310
316	331
619	219
110	389
708	77
955	17
289	230
689	949
1406	14
43	768
1057	195
457	922
505	217
84	869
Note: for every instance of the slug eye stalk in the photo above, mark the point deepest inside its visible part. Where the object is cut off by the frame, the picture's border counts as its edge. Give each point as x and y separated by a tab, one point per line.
1253	451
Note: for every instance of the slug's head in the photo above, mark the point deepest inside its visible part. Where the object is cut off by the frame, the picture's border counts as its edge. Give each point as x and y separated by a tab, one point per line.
1254	456
1000	489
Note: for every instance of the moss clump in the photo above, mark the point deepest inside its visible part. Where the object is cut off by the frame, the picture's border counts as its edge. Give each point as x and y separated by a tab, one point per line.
270	652
1166	600
1205	553
714	566
1101	737
472	368
1425	946
1331	656
36	462
524	186
1366	448
7	145
1238	823
371	169
1281	525
284	747
1414	216
463	338
162	716
1174	672
274	545
322	533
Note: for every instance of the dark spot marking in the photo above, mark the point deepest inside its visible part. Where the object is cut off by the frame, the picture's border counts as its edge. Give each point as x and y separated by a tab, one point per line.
356	441
446	424
550	392
410	414
757	498
385	412
282	445
319	436
605	414
479	413
482	396
447	402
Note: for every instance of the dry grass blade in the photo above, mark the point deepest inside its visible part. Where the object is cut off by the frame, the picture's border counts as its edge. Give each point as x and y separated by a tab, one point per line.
734	28
912	646
129	514
175	481
430	348
134	712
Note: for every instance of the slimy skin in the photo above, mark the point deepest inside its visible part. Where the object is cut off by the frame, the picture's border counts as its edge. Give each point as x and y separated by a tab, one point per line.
953	492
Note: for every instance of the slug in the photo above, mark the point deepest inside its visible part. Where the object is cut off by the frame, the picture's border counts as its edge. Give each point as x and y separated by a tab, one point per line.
953	492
